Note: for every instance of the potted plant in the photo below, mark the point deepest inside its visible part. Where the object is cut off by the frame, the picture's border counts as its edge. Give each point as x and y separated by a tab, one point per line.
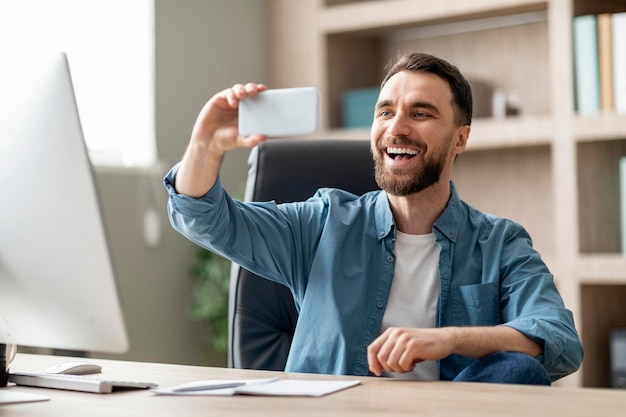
211	274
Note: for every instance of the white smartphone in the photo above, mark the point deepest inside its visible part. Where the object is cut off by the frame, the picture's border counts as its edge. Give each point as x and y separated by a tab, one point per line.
280	112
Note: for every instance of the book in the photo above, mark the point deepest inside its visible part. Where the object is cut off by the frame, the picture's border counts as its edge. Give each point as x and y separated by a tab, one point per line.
622	200
605	61
618	25
586	72
358	107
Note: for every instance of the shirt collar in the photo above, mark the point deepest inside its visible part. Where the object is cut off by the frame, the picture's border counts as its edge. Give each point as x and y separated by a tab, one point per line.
384	218
448	223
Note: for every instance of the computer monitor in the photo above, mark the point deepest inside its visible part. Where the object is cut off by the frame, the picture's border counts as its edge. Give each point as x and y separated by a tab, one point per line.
57	283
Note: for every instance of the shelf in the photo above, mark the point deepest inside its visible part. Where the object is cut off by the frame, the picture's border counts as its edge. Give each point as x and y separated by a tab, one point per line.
582	7
344	134
510	132
601	269
598	183
356	61
486	133
603	126
497	181
605	310
377	15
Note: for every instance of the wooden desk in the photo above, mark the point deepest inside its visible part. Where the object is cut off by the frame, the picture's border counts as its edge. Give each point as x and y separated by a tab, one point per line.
374	397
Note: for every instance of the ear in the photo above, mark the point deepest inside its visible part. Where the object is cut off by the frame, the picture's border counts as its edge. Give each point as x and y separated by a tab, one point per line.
460	139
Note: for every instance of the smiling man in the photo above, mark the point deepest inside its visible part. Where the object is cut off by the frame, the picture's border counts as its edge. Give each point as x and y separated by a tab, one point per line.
431	288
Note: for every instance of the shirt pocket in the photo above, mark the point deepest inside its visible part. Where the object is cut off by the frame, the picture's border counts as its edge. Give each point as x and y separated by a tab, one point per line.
475	305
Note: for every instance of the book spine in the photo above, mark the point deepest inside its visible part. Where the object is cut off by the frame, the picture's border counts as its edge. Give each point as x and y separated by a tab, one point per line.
586	72
605	60
622	192
618	24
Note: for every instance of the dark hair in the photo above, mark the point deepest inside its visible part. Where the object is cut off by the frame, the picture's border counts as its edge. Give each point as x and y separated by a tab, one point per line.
420	62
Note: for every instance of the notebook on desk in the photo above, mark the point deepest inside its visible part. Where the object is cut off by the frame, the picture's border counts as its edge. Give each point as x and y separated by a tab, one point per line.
76	383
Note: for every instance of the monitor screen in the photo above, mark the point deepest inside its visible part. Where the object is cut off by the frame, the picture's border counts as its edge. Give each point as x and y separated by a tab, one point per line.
57	284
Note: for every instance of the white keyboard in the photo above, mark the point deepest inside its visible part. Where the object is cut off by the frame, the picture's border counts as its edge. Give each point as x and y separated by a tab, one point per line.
76	382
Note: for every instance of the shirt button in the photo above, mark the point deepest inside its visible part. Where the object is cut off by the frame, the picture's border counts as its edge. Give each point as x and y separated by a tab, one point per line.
381	233
389	258
379	304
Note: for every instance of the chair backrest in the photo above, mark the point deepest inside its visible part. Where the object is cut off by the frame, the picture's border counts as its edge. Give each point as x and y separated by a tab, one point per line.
262	314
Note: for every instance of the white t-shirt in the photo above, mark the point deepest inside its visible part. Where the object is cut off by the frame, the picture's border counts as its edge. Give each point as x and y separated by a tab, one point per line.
414	293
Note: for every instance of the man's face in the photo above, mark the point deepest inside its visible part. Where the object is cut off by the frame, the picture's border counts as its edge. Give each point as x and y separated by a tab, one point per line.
414	138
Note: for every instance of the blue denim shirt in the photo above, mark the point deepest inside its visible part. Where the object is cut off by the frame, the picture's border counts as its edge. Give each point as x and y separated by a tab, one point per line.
336	253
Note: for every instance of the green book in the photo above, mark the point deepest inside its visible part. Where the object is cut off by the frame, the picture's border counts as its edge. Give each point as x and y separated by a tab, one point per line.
586	68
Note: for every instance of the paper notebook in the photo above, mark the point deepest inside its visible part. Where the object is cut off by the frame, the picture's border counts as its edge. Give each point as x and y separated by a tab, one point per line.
269	387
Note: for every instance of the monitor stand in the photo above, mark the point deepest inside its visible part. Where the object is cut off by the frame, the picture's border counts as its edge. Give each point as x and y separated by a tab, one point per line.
8	395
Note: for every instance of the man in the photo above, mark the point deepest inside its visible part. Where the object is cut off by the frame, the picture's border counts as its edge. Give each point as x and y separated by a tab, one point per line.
406	282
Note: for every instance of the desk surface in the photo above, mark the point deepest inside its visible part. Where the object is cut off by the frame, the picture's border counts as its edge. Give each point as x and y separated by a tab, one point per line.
375	396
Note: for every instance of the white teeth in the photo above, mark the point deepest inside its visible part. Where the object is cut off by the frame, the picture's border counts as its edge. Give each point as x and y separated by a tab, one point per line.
402	151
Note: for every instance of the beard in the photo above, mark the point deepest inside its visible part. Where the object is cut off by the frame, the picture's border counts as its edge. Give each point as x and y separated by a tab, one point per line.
403	182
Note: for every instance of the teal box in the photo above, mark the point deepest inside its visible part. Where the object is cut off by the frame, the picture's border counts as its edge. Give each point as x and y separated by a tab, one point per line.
358	107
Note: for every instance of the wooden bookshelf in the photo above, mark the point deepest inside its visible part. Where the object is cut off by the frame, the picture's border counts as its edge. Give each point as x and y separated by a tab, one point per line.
552	170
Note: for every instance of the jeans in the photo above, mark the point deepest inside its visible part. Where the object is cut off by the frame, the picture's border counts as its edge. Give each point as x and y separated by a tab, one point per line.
505	368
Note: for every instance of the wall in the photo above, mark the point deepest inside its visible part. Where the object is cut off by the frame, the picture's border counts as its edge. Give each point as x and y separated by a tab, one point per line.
202	47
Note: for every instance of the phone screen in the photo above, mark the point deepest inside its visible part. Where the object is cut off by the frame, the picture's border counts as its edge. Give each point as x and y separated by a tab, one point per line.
280	112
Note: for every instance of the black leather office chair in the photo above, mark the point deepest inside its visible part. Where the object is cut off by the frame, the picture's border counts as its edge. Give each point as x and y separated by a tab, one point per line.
262	314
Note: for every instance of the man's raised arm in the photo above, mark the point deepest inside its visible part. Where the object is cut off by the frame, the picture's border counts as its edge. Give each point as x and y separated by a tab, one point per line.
215	132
